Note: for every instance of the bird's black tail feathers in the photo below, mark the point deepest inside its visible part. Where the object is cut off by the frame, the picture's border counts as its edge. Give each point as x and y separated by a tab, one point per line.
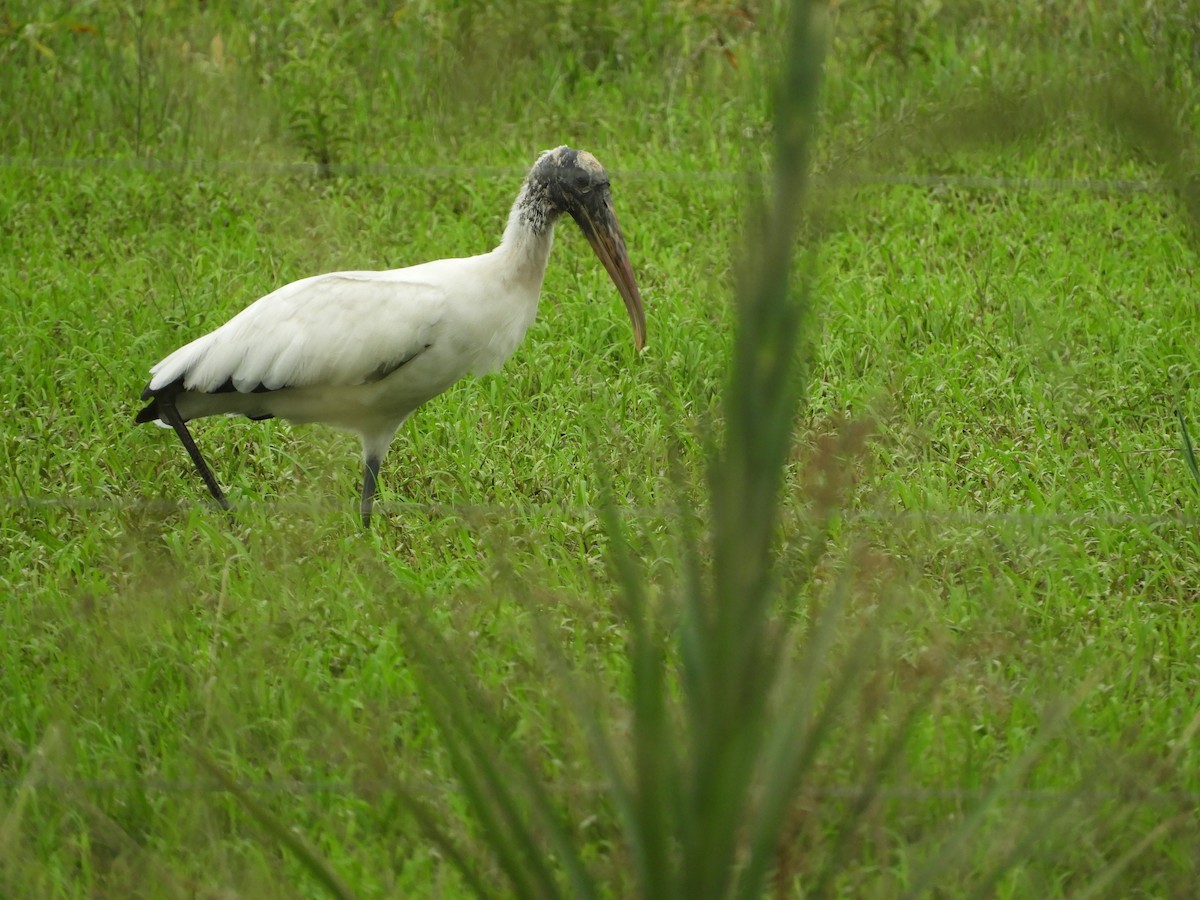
153	411
149	414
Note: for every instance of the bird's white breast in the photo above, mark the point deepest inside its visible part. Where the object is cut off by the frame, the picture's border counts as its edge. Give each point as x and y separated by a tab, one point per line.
491	302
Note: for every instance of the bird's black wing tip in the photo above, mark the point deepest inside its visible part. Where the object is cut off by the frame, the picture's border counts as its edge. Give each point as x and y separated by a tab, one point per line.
152	412
148	414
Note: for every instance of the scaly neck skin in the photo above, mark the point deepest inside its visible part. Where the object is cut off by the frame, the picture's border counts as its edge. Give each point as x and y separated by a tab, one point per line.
529	235
497	325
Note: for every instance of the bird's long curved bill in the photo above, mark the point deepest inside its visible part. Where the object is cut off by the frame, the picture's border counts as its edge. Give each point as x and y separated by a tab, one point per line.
599	225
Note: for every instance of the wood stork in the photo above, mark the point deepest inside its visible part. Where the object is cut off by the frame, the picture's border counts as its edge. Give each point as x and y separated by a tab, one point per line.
361	351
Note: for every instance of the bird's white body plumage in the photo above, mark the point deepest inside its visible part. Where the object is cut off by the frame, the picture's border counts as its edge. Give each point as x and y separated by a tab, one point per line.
362	350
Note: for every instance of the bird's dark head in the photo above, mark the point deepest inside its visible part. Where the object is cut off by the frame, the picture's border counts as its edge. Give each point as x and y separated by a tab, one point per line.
569	177
573	182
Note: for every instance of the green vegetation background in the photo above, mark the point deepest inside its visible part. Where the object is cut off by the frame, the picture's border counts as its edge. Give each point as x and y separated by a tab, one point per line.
1004	329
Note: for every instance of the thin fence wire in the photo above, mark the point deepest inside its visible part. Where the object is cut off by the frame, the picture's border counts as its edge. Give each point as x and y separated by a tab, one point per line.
533	509
1114	186
1025	796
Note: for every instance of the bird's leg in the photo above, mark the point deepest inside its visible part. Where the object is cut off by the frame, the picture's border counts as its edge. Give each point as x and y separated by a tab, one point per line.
171	414
370	479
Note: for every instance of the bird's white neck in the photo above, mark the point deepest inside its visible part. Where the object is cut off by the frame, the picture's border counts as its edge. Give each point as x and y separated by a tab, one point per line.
529	235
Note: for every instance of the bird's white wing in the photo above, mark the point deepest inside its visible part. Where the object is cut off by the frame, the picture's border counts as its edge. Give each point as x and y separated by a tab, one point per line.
339	329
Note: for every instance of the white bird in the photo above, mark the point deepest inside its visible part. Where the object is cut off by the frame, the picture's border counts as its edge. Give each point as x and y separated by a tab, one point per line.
361	351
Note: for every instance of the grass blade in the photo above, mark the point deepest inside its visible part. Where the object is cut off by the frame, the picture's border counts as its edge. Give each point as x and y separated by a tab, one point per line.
1189	455
312	860
797	739
1101	887
952	848
496	790
655	760
839	853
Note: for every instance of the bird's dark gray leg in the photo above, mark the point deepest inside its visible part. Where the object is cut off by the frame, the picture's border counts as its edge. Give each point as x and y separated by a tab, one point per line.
370	479
175	420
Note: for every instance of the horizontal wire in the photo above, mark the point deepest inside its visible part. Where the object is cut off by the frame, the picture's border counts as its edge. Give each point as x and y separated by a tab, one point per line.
963	181
333	786
469	510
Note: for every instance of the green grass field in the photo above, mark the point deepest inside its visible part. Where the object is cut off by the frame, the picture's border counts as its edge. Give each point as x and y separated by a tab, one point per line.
988	478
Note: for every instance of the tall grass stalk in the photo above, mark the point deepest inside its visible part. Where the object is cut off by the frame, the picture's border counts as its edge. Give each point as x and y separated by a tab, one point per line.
741	680
703	789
